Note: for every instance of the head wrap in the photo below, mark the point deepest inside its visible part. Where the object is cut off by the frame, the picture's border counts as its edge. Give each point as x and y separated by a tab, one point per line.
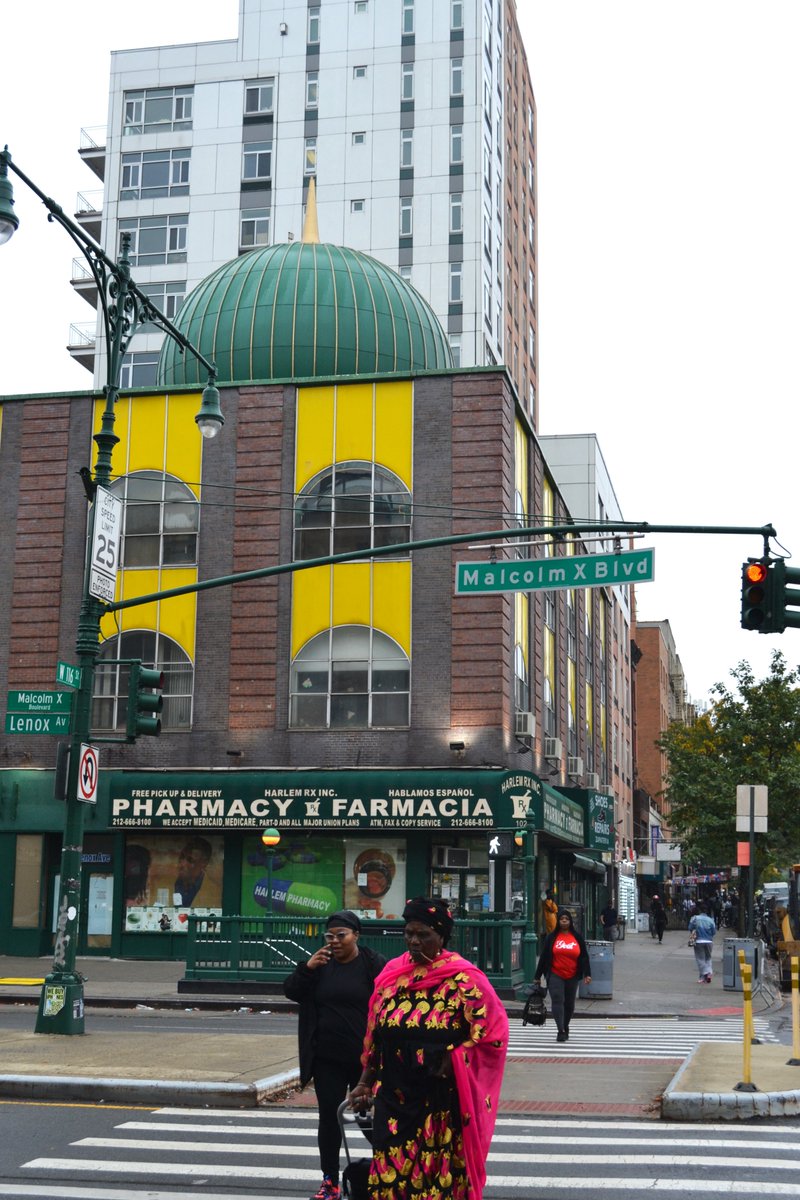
344	917
565	912
433	913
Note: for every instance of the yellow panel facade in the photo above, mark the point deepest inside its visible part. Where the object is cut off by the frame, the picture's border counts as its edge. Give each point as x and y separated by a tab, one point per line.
148	434
354	422
393	428
311	605
184	453
351	594
391	601
314	444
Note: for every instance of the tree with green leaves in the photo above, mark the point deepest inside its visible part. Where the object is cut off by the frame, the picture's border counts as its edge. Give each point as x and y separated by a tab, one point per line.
750	735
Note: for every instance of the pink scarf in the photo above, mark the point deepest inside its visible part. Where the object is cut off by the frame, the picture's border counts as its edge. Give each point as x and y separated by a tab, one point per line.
478	1063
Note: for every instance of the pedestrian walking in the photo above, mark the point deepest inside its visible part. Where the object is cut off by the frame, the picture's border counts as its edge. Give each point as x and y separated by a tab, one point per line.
701	934
659	919
549	911
608	919
433	1064
564	961
333	989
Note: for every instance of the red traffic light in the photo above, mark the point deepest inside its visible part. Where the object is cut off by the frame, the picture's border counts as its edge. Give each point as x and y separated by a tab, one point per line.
755	572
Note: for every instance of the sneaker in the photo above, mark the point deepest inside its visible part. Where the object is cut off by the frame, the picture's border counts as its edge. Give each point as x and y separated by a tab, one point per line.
561	1036
566	1033
328	1190
708	979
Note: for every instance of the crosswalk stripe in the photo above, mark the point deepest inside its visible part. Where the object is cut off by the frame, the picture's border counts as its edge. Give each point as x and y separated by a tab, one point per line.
83	1192
129	1167
640	1187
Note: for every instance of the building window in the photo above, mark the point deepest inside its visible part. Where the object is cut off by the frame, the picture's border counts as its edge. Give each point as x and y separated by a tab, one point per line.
139	369
456	14
361	6
357	206
405	272
160	523
455	350
456	212
167	297
456	144
156	110
456	77
257	161
253	228
359	72
407	84
153	174
360	137
456	283
408	17
353	506
407	148
312	36
406	217
312	89
259	97
531	343
350	677
487	167
310	157
111	680
156	241
487	235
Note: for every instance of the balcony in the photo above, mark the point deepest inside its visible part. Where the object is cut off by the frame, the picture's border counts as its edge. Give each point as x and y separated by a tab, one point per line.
84	282
82	344
89	212
92	149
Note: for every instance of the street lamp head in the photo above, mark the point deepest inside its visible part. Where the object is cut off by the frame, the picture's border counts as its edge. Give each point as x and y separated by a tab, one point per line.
210	419
9	221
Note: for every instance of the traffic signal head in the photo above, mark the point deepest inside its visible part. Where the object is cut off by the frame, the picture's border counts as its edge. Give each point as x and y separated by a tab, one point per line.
144	701
755	596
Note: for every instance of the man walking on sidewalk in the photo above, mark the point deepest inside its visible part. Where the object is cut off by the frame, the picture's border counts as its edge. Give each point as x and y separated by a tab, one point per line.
702	929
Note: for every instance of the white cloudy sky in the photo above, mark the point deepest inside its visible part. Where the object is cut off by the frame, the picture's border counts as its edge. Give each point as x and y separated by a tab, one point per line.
669	258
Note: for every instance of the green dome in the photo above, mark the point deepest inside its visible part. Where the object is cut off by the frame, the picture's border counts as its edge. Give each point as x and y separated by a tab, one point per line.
304	309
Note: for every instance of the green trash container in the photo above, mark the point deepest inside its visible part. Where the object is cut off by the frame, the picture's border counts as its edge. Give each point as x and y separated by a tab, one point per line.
601	962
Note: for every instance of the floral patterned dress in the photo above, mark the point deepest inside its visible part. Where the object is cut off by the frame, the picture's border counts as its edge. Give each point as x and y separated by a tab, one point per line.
418	1151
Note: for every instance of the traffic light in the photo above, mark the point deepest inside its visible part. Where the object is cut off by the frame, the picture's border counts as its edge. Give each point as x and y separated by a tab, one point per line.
756	596
144	701
786	598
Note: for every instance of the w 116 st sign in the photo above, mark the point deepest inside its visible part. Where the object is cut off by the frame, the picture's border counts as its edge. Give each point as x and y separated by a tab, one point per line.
550	574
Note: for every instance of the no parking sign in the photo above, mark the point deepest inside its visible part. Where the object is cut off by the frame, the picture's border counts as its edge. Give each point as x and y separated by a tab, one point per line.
88	770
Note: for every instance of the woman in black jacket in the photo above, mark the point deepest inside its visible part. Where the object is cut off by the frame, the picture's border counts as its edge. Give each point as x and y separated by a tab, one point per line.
333	988
564	961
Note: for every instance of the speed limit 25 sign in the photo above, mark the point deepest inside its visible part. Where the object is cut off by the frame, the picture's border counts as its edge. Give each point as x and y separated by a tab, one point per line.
106	532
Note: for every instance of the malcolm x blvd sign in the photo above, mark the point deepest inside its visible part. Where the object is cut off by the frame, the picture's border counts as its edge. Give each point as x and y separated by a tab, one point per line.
547	574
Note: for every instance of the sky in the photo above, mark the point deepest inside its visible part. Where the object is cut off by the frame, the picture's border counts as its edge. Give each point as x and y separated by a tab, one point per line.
668	260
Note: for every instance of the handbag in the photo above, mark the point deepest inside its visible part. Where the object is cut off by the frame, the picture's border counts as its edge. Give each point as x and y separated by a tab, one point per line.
692	937
534	1012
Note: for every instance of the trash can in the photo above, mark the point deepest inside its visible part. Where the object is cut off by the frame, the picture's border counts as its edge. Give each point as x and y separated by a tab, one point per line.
731	975
601	963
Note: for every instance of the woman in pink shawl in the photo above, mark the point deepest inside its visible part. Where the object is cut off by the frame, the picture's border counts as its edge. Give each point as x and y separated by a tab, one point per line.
433	1061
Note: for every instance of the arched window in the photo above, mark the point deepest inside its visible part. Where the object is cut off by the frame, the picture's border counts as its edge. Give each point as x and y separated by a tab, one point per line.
110	703
351	506
350	677
161	521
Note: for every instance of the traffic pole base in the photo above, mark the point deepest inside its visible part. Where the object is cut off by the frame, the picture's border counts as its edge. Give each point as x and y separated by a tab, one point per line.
61	1005
793	1062
746	1087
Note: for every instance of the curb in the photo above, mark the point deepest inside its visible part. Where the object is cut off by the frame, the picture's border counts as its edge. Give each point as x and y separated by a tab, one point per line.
146	1091
724	1106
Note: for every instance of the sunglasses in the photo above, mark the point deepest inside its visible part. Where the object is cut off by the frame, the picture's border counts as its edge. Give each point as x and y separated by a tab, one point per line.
338	936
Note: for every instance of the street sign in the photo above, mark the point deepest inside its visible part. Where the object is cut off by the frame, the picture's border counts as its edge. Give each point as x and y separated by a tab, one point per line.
69	675
38	723
552	574
36	700
106	533
759	800
88	771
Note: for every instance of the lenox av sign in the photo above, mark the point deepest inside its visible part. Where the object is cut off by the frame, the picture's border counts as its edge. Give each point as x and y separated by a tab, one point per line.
550	574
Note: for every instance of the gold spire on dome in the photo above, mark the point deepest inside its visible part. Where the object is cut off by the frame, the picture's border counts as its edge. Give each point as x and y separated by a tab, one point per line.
310	226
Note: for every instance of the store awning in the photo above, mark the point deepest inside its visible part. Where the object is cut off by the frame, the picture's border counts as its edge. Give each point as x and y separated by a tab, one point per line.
588	864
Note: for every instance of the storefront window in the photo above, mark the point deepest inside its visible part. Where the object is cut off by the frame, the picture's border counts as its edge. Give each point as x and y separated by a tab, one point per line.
26	913
169	876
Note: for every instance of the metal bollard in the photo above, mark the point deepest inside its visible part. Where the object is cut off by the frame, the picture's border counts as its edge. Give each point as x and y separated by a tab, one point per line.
794	1061
746	1084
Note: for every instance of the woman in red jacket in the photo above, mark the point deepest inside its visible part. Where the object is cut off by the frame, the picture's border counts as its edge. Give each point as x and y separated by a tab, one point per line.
564	961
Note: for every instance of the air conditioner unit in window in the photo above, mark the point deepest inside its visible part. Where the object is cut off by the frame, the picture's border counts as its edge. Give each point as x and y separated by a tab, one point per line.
574	766
451	856
552	749
524	724
593	781
607	790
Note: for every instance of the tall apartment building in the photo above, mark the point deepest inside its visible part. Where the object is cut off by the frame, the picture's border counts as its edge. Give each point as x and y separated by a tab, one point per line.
417	119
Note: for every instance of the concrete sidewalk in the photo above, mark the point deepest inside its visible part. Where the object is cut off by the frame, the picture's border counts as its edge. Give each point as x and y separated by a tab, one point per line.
247	1068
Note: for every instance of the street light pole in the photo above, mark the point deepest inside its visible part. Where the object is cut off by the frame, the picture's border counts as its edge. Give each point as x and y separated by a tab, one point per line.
124	310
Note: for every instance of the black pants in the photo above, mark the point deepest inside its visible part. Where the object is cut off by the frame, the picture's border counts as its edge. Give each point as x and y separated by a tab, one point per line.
562	999
332	1082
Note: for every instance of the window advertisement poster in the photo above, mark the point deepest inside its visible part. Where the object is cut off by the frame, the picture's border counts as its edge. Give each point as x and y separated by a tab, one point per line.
168	877
375	877
303	875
